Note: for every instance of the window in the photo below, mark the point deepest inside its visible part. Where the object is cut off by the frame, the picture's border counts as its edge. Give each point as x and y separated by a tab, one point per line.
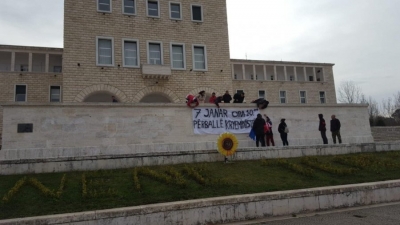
104	5
20	93
129	7
311	78
175	10
199	58
261	94
178	56
322	97
155	54
105	51
197	13
282	96
130	53
153	8
57	69
303	97
55	94
24	67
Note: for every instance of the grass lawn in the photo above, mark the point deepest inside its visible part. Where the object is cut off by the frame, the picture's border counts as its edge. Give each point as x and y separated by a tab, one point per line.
44	194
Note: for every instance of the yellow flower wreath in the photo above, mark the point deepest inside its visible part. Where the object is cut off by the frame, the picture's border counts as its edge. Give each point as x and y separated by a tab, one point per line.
227	144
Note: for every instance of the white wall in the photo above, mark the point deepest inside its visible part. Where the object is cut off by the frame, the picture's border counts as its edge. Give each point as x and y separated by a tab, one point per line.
108	124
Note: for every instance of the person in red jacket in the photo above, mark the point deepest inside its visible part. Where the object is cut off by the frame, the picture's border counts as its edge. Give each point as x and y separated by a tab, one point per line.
192	101
268	133
212	98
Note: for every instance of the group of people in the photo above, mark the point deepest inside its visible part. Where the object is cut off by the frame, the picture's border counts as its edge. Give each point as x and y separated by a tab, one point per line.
335	129
193	101
262	129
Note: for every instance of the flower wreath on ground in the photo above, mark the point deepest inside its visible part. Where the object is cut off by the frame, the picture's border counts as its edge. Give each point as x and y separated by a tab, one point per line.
227	144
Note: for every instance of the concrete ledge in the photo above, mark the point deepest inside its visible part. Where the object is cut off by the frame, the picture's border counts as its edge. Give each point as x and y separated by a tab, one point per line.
232	208
94	160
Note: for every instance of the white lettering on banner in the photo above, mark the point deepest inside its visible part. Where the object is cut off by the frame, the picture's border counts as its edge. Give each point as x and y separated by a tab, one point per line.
218	121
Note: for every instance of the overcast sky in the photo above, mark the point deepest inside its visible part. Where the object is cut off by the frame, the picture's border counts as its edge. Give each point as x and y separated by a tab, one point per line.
362	37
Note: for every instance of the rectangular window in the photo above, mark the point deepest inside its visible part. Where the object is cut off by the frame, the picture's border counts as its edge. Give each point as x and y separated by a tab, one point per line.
175	10
322	97
105	51
282	96
261	94
57	69
104	5
130	53
153	8
178	56
55	94
303	97
199	58
129	7
20	93
197	13
155	53
24	67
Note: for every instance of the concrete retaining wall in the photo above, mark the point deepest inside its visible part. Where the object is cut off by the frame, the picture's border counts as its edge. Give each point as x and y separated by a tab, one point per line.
232	208
93	159
106	124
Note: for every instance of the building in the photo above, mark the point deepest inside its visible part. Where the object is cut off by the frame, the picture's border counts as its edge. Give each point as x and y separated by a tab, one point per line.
151	51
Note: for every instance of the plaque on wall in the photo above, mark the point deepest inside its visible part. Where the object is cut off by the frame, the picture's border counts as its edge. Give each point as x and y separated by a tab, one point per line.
25	127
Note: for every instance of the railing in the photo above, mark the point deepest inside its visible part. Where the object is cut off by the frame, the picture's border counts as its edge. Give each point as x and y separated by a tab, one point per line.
18	68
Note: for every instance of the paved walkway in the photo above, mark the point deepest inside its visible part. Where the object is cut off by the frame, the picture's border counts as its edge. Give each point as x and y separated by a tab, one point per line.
388	214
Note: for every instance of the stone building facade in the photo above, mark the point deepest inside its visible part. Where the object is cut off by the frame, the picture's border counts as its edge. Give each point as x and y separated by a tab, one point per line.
151	51
145	31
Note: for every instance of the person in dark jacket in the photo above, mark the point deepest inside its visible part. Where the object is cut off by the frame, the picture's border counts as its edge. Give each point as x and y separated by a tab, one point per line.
258	127
238	97
269	134
281	129
322	128
227	97
114	99
335	129
261	103
218	100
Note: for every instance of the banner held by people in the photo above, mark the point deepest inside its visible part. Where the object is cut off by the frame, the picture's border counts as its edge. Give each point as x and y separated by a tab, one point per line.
218	121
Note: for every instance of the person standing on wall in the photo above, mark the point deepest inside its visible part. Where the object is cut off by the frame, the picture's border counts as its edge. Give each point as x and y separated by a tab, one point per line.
258	127
227	97
322	128
268	133
238	97
201	96
335	129
283	130
212	98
